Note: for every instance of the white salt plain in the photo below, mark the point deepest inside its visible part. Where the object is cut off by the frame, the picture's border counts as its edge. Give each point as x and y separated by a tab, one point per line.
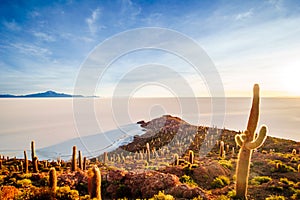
55	121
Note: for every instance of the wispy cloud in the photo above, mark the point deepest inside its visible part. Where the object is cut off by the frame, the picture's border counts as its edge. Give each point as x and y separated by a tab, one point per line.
244	15
30	49
44	36
11	25
92	21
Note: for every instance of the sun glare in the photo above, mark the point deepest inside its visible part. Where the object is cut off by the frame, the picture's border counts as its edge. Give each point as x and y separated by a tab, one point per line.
291	80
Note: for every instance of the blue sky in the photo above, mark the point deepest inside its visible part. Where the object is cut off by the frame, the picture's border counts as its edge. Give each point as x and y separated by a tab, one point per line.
43	44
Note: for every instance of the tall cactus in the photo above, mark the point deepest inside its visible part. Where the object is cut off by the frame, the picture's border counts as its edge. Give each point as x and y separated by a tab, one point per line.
222	152
35	164
84	163
176	158
25	163
95	184
74	163
52	179
80	160
148	152
32	150
105	157
247	141
191	156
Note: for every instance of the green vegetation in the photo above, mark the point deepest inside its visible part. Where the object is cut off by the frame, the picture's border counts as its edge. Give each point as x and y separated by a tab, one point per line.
220	182
188	180
273	197
258	180
162	196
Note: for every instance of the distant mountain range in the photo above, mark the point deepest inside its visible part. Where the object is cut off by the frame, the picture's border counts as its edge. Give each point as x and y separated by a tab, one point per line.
48	94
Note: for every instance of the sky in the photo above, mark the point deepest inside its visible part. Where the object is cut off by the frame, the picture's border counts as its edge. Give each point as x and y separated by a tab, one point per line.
45	44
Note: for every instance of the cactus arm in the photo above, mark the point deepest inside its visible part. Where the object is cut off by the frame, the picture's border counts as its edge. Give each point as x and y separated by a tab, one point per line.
238	140
259	140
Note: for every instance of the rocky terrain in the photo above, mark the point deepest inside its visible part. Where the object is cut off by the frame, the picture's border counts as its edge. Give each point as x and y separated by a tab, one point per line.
173	159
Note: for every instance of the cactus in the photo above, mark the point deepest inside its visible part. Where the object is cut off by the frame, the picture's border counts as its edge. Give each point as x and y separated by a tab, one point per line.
21	166
80	160
248	142
25	163
278	166
299	168
191	156
35	164
176	158
148	152
95	184
222	152
74	163
52	179
105	158
294	151
32	150
0	164
227	148
84	163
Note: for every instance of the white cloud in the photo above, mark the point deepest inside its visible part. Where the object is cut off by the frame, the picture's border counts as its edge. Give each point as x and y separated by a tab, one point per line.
244	15
44	36
12	25
30	49
92	21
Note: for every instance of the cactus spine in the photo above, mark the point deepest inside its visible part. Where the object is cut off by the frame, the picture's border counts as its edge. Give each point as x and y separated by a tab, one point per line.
248	142
74	163
25	163
80	160
148	152
191	156
52	179
95	185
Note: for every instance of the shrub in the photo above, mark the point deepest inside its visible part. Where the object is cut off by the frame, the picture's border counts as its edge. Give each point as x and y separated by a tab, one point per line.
258	180
220	182
188	180
162	196
24	183
35	193
223	197
273	197
284	168
226	163
296	195
286	181
66	193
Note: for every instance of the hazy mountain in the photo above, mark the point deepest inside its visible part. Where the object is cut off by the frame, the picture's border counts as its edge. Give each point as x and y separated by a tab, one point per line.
39	95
